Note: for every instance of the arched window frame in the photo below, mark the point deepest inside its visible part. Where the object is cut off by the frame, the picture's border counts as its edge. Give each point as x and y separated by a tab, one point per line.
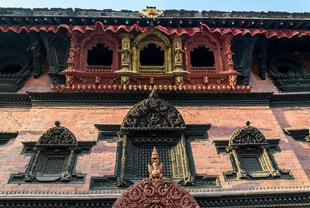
207	40
144	40
57	143
109	40
248	142
169	132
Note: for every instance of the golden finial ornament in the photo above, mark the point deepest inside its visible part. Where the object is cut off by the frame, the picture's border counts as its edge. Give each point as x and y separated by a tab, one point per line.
151	12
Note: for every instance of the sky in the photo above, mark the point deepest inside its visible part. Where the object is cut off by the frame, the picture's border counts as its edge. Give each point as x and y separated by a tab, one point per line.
220	5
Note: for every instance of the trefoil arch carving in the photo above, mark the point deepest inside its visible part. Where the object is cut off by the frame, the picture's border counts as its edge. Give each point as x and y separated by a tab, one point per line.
109	40
152	36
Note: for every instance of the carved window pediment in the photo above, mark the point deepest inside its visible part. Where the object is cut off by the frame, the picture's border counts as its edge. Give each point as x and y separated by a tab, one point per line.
153	113
300	134
251	155
153	123
53	158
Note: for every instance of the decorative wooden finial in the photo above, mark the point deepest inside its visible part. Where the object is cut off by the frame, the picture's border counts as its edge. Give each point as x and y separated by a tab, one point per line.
155	169
154	157
57	123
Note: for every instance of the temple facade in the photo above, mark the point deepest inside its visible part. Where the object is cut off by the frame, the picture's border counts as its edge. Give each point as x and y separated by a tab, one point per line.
153	108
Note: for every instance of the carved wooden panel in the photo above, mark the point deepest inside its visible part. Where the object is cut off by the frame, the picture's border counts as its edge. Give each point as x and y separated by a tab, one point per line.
128	72
53	158
250	154
156	191
153	123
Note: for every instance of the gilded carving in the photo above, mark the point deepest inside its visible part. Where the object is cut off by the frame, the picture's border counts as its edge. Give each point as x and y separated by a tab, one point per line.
232	80
151	12
156	191
178	53
126	52
124	80
152	36
178	80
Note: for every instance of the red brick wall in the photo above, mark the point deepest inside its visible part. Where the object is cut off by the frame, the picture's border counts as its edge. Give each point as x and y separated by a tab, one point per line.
31	123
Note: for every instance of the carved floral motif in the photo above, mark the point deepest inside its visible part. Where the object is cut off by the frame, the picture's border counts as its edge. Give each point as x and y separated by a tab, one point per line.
248	135
153	112
57	135
127	74
156	191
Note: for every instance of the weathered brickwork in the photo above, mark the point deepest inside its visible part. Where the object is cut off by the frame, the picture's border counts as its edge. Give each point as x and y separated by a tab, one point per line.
296	117
224	120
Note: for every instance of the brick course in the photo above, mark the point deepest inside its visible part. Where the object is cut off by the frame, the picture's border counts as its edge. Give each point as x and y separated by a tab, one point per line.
224	120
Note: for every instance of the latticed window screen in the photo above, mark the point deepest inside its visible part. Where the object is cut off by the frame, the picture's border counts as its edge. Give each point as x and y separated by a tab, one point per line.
144	158
54	165
48	164
250	162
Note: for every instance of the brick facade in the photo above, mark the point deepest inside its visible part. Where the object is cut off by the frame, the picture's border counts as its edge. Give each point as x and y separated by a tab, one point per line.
30	123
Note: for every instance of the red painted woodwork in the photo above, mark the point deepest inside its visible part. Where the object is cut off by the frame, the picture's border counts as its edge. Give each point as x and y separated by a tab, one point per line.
162	194
156	191
80	77
280	33
219	45
82	43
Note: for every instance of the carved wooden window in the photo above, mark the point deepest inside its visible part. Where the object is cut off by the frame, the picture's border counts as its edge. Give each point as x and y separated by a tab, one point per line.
102	47
53	158
203	53
153	123
289	73
150	123
152	55
250	154
152	52
100	55
202	57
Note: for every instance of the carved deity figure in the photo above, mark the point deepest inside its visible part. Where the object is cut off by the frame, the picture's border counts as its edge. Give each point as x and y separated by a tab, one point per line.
155	171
